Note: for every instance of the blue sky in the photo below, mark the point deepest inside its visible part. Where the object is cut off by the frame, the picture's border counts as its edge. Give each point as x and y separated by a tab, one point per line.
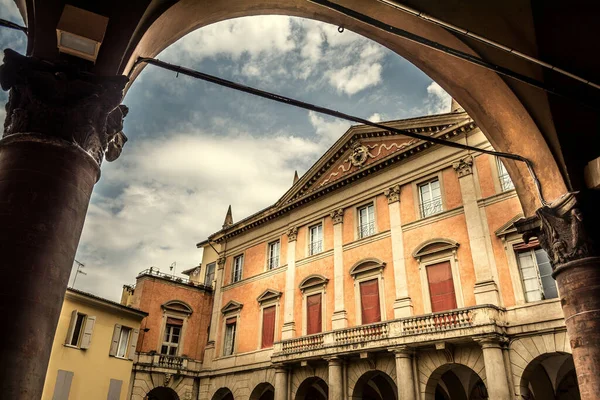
194	148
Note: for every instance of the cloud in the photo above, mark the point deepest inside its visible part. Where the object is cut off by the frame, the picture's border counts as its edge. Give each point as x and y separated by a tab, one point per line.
438	101
10	11
376	117
352	79
328	129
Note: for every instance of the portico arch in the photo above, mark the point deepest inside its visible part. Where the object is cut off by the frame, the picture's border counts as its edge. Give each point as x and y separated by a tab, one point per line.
263	391
223	394
313	388
162	393
454	381
375	385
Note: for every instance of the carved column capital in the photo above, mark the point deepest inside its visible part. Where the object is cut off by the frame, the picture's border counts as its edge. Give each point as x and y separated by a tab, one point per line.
491	341
564	228
337	216
292	234
221	262
402	351
62	101
392	194
464	166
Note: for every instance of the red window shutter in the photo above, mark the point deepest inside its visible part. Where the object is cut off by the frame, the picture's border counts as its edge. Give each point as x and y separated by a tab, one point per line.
522	246
441	287
268	328
174	321
313	314
369	300
230	321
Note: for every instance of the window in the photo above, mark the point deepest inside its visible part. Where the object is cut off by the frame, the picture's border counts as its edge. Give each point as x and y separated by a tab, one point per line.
536	274
366	221
230	328
368	286
369	301
123	342
236	274
441	287
76	335
430	198
172	336
210	274
314	323
315	242
80	330
505	182
313	308
268	327
273	256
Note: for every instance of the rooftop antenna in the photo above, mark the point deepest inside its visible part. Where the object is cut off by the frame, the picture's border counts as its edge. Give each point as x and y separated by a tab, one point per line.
79	271
172	267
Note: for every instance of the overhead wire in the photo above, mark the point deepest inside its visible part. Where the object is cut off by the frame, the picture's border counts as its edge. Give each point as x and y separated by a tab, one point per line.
323	110
7	24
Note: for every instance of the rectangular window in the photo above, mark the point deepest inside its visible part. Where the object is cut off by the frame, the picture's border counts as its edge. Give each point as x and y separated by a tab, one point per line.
268	328
505	182
209	277
313	314
366	221
273	261
536	273
369	301
315	240
430	198
77	329
230	328
172	336
441	287
236	274
123	342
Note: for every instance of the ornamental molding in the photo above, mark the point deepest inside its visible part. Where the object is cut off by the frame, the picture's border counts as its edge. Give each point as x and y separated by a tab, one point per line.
292	234
464	166
337	216
61	101
392	194
360	154
221	262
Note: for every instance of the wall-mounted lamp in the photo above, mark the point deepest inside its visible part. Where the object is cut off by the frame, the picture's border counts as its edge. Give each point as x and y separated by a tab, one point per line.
80	32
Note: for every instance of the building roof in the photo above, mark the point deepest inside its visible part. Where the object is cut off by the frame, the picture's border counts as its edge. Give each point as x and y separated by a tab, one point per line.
107	302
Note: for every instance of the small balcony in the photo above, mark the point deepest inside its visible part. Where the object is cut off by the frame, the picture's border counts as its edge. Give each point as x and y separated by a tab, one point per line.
414	330
164	363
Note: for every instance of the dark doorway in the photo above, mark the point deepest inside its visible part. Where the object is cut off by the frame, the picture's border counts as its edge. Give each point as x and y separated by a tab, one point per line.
162	393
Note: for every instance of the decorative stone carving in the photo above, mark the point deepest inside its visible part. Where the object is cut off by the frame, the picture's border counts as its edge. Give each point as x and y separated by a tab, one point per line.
337	216
563	228
221	262
292	234
464	167
392	194
62	101
359	155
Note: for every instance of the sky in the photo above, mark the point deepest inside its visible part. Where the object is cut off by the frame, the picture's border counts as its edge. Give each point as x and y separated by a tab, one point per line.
195	148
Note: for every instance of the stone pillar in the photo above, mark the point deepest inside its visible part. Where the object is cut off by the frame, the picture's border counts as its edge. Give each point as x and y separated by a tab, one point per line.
336	379
568	231
59	125
486	288
289	327
281	383
497	382
405	379
339	319
403	303
209	350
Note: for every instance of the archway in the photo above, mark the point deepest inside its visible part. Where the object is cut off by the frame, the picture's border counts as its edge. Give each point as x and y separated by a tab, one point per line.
263	391
162	393
455	382
550	376
223	394
375	385
313	388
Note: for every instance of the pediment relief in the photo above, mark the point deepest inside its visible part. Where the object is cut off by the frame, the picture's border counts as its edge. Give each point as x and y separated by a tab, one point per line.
177	306
435	246
312	281
366	265
231	306
268	294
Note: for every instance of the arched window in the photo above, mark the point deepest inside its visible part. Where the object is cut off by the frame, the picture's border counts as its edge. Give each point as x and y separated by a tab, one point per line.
269	312
175	317
369	290
313	304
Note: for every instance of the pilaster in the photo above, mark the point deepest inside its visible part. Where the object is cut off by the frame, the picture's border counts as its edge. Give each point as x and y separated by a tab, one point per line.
339	319
405	379
289	327
210	349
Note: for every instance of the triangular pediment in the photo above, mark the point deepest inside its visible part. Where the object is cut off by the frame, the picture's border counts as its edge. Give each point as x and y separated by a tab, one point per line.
231	306
508	227
268	294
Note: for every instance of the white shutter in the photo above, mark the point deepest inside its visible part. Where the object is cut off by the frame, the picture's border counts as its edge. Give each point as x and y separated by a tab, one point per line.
115	340
71	327
86	339
133	343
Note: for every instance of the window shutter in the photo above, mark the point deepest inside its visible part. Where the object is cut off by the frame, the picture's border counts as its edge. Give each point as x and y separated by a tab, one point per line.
115	340
441	287
313	314
531	245
369	300
71	327
88	329
114	389
174	321
133	343
62	386
268	328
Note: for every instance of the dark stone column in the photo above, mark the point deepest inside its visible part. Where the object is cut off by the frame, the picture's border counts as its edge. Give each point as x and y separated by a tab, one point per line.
59	123
568	230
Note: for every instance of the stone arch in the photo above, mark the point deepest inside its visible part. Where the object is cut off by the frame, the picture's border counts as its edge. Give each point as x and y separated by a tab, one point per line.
482	93
550	376
374	384
386	365
241	384
434	363
455	382
366	264
222	394
145	383
432	246
162	393
523	351
308	375
177	306
263	391
312	388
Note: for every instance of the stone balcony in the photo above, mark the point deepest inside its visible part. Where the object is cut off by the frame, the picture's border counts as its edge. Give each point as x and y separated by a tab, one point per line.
166	364
455	325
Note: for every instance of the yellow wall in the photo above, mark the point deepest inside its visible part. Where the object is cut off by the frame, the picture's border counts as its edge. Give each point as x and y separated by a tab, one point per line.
92	368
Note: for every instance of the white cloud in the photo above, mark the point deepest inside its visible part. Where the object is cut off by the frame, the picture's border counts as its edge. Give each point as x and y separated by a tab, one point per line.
376	117
10	11
354	78
328	129
438	101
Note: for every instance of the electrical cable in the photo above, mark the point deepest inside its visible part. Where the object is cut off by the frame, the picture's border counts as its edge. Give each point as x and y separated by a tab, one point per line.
7	24
450	51
322	110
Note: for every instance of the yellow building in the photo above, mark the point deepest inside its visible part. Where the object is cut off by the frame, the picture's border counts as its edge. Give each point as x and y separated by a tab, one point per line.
92	350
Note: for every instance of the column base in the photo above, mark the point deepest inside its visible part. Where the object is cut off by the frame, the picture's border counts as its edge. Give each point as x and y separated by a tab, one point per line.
486	292
339	320
288	331
403	307
209	355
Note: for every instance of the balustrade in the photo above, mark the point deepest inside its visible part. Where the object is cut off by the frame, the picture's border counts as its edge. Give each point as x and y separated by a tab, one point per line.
362	333
437	322
303	343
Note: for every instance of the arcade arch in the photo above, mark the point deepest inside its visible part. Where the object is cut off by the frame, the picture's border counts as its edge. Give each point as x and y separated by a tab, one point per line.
223	394
374	385
263	391
162	393
550	376
313	388
455	382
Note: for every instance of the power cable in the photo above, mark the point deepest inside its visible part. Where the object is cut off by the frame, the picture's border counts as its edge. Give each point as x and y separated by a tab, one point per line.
7	24
312	107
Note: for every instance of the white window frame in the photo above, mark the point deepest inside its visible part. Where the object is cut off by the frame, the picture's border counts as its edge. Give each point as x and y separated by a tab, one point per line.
171	344
234	351
416	186
270	300
169	311
270	267
127	342
131	342
436	258
84	336
364	276
309	250
233	261
214	264
503	177
357	221
309	291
